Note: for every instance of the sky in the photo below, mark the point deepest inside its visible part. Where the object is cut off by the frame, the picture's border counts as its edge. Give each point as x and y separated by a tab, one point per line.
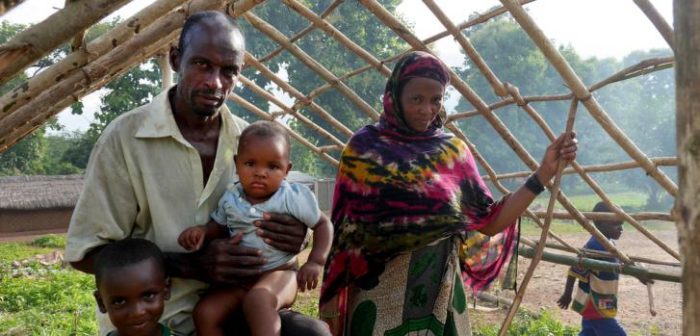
594	28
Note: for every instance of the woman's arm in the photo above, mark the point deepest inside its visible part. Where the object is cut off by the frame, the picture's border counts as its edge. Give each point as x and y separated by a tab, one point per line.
563	148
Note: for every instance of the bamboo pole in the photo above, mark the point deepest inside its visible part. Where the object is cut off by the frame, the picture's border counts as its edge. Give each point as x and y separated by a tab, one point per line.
640	216
480	19
686	21
103	65
539	251
598	265
38	40
301	99
287	110
337	35
496	84
52	75
262	114
655	17
166	72
383	15
583	94
35	121
642	68
608	167
302	32
587	178
588	253
273	33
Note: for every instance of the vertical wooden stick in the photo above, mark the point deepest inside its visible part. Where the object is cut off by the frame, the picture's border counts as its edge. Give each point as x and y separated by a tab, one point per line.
543	237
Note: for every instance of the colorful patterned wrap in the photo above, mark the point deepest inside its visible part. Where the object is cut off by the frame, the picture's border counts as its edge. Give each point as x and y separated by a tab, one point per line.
398	190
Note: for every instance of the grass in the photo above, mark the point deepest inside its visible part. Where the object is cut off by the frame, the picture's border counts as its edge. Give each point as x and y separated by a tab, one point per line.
40	299
527	323
43	298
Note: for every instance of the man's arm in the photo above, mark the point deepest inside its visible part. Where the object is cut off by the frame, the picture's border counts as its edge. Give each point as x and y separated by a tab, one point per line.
87	264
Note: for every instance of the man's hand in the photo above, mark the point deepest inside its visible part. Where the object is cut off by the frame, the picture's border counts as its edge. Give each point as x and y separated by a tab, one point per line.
564	301
283	232
225	261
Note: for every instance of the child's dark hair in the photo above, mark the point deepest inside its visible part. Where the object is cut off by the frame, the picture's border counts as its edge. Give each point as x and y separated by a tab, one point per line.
126	252
265	129
601	207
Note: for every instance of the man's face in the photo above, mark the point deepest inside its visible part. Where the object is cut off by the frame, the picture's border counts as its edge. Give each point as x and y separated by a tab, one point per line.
134	297
610	229
208	68
262	164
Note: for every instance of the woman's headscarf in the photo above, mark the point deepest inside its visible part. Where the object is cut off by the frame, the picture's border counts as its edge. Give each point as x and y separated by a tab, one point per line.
414	65
398	190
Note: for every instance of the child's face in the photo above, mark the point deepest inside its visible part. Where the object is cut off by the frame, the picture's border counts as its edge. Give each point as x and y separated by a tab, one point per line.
134	297
610	229
262	164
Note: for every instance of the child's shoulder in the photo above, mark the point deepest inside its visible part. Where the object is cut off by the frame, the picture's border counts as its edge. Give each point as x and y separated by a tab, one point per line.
295	187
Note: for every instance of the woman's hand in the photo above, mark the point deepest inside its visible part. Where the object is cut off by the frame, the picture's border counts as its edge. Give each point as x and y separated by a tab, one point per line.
563	148
283	232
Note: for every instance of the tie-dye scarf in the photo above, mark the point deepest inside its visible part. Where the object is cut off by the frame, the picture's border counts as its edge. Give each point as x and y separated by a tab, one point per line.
398	190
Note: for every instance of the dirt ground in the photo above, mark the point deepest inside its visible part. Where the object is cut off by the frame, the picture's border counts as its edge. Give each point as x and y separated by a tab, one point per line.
633	303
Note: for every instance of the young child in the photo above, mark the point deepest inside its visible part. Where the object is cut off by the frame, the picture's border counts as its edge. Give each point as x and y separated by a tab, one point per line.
262	164
596	296
132	287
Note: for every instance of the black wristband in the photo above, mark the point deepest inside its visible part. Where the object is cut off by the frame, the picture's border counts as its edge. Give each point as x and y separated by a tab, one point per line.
533	184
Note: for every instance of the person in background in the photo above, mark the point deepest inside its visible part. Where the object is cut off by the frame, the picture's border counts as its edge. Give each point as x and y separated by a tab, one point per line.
596	294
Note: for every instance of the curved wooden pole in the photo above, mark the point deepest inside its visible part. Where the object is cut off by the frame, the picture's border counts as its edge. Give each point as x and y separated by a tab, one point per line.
543	237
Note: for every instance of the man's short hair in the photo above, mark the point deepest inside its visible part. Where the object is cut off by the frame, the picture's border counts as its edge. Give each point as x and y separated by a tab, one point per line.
124	253
202	17
266	129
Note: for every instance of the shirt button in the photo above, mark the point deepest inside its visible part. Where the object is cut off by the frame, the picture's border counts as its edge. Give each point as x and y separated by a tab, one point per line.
252	211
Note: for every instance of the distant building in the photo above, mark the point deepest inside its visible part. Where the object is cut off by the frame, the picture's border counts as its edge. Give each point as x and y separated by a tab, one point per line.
37	204
41	204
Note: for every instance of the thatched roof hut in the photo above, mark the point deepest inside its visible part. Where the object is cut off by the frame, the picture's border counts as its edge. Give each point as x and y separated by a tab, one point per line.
39	192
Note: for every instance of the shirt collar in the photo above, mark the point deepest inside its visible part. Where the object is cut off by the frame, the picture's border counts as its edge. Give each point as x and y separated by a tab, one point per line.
160	122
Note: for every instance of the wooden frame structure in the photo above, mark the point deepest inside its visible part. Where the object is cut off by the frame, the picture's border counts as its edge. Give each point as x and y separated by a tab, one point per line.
151	31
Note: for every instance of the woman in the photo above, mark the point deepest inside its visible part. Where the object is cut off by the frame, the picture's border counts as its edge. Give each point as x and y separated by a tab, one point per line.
407	194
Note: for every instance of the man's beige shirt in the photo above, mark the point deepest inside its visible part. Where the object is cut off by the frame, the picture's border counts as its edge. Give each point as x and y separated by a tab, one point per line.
145	180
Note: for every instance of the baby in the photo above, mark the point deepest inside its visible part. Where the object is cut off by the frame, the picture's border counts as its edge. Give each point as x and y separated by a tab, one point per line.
262	163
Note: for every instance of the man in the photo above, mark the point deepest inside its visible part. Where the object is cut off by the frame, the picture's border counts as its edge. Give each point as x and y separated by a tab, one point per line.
162	167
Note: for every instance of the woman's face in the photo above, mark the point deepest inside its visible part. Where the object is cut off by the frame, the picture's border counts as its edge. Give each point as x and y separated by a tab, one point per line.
421	101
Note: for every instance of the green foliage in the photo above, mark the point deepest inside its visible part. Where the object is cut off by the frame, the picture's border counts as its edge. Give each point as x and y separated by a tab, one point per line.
528	324
60	303
50	241
356	23
43	299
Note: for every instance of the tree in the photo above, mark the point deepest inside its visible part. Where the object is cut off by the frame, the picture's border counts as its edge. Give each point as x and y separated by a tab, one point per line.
25	156
354	22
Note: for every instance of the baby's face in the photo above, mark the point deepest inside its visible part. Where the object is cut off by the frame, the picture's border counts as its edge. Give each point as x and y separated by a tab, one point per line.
262	164
134	297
